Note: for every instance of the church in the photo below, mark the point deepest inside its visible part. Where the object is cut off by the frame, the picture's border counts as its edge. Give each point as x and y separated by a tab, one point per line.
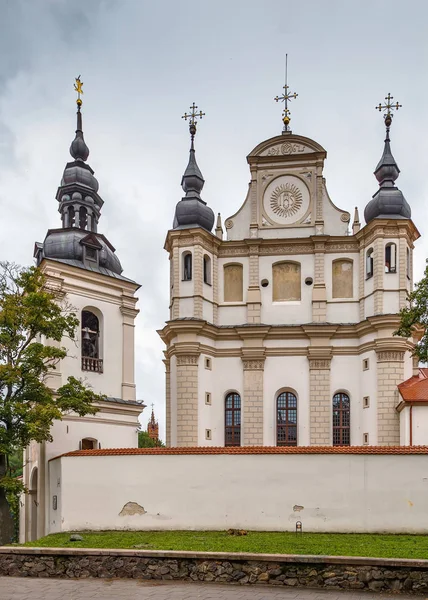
281	323
280	331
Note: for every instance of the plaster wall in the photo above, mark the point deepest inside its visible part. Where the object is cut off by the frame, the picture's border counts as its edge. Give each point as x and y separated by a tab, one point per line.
334	493
419	426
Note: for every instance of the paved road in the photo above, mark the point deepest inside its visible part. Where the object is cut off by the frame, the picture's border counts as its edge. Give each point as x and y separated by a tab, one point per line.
20	588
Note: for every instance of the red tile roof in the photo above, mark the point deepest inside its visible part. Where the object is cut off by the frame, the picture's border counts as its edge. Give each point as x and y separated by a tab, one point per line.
253	450
415	389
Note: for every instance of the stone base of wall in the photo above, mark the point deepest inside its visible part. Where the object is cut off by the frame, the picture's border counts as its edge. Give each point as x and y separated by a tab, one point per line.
326	572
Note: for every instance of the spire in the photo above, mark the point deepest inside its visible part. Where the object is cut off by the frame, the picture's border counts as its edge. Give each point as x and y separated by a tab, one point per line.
388	202
153	426
286	97
78	149
356	225
218	227
192	181
192	211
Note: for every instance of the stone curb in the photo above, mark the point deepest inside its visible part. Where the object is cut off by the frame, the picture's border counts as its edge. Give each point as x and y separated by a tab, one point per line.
231	556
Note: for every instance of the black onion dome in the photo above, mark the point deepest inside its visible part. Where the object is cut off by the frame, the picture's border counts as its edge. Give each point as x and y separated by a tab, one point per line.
192	211
388	202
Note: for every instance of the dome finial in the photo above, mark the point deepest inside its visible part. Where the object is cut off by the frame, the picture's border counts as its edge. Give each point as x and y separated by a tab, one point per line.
192	181
78	149
286	96
193	119
387	107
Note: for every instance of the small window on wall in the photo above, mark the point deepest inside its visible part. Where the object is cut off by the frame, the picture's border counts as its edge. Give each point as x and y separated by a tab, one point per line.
187	266
233	283
343	275
207	269
88	444
369	263
390	258
286	282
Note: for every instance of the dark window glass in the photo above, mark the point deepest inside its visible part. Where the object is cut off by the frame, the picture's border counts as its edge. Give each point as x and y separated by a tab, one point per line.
90	335
286	419
232	420
187	267
341	420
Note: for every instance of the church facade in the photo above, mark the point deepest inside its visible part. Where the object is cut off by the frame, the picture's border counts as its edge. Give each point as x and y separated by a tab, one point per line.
80	263
281	327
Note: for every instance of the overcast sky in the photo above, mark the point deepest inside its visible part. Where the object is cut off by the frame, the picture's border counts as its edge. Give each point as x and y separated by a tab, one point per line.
144	63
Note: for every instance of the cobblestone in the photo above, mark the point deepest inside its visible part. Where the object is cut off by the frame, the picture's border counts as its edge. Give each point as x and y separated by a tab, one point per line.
19	588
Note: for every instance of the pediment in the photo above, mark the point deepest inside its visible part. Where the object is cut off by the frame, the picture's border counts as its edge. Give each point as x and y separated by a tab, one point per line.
286	145
91	240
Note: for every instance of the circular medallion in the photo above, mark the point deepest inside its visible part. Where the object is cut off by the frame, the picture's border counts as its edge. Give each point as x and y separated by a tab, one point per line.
286	199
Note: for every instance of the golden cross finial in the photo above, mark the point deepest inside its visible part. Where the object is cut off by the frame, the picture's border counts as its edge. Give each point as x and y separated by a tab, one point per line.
388	106
78	88
286	97
193	117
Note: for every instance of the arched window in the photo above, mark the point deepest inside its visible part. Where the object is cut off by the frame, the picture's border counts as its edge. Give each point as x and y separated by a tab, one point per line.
343	275
207	269
286	419
341	420
232	420
390	258
286	281
369	263
187	266
83	217
70	211
233	283
88	444
91	360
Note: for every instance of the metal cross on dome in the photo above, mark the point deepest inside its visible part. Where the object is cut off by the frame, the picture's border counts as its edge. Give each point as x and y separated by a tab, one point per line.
193	117
286	96
387	107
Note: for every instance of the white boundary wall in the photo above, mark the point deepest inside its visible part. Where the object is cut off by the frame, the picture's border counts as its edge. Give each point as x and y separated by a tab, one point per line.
327	492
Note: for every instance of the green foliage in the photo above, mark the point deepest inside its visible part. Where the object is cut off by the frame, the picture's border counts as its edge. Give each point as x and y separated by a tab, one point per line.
337	544
415	316
31	312
145	441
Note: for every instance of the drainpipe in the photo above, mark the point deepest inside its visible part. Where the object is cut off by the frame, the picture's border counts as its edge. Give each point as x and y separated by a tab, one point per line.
411	424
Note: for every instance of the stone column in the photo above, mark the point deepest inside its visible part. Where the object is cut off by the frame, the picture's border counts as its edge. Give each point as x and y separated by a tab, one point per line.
390	372
378	271
76	215
198	275
167	364
252	421
187	399
175	282
253	294
320	401
128	346
319	294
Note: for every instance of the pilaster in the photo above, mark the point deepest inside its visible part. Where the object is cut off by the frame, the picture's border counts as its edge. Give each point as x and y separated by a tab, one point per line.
402	271
198	281
187	399
390	372
361	279
175	282
167	364
378	274
215	289
253	401
319	293
253	294
128	347
320	398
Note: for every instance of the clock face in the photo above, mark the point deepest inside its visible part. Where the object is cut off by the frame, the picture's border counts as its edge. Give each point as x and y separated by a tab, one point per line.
286	200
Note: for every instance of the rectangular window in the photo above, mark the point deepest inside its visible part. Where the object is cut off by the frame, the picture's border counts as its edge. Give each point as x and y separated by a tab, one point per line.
207	434
365	438
208	363
366	364
366	401
207	398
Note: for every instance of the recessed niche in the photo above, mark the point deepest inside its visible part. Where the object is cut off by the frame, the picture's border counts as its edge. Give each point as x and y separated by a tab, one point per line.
309	281
264	282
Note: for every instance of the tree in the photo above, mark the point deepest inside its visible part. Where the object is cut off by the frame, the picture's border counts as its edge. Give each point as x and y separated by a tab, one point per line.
145	441
414	318
30	312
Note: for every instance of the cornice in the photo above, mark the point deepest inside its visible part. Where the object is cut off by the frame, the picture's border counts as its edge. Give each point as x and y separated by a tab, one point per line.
380	228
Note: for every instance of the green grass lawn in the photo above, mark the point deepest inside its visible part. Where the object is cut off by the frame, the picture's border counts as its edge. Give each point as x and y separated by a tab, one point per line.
353	544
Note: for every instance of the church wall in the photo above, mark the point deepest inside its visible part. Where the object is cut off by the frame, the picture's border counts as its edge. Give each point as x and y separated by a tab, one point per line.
336	492
419	425
290	312
391	302
186	306
54	499
232	314
286	373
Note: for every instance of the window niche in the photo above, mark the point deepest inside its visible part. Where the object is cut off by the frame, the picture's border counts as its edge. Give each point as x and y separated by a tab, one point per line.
233	283
341	420
187	266
286	282
390	258
286	419
343	278
207	269
232	420
91	359
369	263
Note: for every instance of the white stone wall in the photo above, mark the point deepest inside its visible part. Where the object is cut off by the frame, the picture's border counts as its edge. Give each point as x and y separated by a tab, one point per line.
419	425
333	493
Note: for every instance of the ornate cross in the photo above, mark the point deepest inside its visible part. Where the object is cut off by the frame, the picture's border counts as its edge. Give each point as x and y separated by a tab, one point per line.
388	106
193	117
78	88
286	96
